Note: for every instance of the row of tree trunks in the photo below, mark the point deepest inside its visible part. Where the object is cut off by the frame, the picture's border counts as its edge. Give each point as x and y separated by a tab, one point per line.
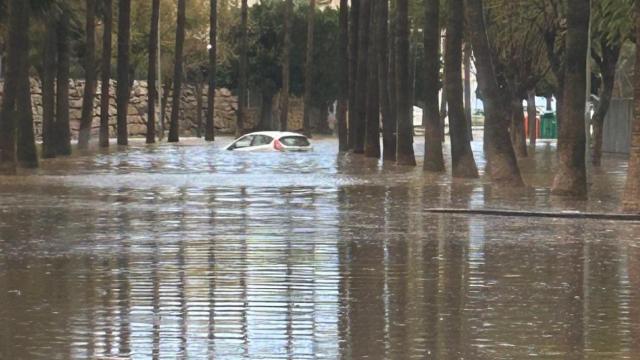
174	124
463	163
105	72
209	134
502	165
153	70
631	199
343	77
404	152
433	155
571	176
308	78
122	89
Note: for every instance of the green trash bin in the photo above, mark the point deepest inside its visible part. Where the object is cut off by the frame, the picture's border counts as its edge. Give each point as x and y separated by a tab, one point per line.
549	126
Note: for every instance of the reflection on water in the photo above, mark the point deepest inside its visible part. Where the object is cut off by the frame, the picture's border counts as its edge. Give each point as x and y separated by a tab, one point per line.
194	252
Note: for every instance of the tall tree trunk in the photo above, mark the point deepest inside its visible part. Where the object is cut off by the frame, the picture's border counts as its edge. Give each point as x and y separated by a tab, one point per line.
404	152
392	85
518	134
286	67
608	64
308	77
467	88
17	140
372	130
502	165
343	77
463	163
63	132
532	116
244	82
361	79
86	120
174	125
266	111
199	106
571	176
105	72
631	198
388	117
152	72
210	130
123	89
49	90
433	155
18	18
354	27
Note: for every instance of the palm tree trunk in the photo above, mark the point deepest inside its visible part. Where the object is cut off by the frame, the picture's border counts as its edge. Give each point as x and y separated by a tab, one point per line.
361	78
210	130
433	155
63	132
286	67
343	77
105	72
174	124
86	120
152	72
532	118
388	116
244	82
502	165
631	198
372	130
463	163
404	152
308	78
49	90
354	27
571	176
610	56
123	90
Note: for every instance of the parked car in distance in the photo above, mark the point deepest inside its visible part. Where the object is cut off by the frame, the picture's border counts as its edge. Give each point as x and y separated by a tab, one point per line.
271	141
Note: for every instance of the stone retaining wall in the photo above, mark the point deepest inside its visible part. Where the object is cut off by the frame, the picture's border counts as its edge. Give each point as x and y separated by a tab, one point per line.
225	109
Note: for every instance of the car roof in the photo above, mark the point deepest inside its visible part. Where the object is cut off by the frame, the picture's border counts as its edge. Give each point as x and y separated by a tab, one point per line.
275	134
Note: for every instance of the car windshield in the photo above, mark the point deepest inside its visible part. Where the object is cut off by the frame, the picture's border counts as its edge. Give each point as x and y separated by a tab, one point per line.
294	141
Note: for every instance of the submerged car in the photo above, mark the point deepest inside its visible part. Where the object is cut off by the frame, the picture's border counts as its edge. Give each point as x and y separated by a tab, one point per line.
271	141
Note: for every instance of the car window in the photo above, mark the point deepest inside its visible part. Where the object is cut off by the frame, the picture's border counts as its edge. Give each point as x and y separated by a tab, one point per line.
295	141
260	140
243	142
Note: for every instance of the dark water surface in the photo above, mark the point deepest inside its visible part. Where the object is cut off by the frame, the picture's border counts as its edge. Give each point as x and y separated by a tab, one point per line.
193	252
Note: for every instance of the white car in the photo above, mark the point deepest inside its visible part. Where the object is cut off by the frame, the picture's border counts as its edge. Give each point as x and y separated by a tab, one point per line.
271	141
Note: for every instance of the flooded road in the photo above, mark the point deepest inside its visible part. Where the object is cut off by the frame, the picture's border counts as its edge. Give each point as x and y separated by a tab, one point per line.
193	252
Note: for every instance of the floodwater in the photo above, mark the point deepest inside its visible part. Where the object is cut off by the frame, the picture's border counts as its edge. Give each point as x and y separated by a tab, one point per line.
188	251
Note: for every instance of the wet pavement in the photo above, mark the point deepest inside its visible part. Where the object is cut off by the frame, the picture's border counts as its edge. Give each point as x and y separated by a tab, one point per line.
190	251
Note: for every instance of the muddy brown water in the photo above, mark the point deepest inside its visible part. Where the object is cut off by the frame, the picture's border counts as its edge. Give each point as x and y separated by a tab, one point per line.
193	252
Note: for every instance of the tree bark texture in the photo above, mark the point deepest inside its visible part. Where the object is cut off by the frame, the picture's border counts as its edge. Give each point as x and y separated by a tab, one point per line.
174	124
343	77
209	133
63	132
244	82
49	90
404	152
105	73
388	117
153	70
86	119
308	69
354	23
372	131
608	64
286	67
518	134
359	127
123	88
532	116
